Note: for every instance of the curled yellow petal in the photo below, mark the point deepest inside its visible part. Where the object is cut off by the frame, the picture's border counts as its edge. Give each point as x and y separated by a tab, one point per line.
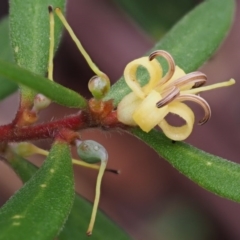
178	133
130	73
200	101
177	74
127	107
147	115
193	79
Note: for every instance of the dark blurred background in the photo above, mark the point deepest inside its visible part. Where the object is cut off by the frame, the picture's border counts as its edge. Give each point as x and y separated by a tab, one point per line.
149	199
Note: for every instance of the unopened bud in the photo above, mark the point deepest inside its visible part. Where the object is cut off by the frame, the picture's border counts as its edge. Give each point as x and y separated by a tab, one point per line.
99	86
91	152
24	149
40	102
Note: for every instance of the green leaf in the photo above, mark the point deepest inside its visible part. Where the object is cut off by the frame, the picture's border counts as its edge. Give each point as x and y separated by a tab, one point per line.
191	41
6	87
213	173
24	169
78	220
30	39
29	29
155	16
50	89
40	208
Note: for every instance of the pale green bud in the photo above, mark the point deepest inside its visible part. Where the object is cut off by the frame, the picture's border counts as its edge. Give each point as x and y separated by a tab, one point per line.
99	86
91	152
40	102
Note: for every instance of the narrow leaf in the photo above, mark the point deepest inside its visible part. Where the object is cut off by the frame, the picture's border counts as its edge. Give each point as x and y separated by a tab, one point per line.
40	208
6	87
213	173
78	220
156	17
29	22
52	90
191	41
24	169
29	29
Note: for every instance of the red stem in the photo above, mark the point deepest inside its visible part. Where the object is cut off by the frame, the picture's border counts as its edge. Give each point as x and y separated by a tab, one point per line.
99	114
9	133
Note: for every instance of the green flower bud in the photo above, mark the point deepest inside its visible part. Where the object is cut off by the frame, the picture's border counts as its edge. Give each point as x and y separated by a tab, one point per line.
40	102
99	86
92	152
24	149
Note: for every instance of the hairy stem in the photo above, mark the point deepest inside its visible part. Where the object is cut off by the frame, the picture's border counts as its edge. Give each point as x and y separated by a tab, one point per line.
98	114
9	133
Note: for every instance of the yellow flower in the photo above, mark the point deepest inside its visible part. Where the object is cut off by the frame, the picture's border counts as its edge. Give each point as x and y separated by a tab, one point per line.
147	106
